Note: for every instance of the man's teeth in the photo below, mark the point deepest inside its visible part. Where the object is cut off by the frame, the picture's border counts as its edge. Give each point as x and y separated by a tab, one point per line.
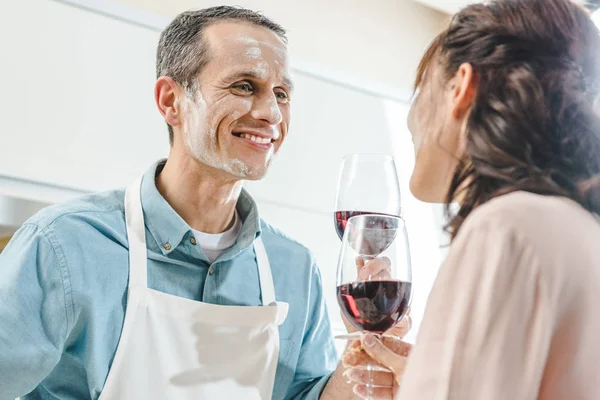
256	139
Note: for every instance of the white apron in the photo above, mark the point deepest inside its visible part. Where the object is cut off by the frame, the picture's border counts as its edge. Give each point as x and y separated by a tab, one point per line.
172	348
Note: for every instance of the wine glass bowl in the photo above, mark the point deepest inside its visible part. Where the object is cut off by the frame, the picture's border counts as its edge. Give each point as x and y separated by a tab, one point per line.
374	277
371	236
368	184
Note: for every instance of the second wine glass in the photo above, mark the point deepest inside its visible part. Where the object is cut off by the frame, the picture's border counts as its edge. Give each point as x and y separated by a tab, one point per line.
368	184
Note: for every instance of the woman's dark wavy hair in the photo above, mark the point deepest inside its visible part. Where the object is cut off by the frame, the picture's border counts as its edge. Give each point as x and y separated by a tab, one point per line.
533	125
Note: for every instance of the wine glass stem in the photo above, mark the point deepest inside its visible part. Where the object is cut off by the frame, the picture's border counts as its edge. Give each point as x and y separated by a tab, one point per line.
370	370
370	385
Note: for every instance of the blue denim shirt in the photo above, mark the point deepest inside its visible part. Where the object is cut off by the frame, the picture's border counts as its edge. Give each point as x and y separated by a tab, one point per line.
63	284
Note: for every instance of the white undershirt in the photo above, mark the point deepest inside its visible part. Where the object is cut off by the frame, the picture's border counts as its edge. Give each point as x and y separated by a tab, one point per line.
213	245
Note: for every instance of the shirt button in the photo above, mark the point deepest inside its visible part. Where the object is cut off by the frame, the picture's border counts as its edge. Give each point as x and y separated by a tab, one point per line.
167	246
211	271
193	240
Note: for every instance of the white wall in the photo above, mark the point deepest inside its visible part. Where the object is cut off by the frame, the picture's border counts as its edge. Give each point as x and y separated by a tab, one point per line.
447	6
86	139
381	40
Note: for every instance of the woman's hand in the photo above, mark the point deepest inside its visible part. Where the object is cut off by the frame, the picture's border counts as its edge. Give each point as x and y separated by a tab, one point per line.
390	352
392	356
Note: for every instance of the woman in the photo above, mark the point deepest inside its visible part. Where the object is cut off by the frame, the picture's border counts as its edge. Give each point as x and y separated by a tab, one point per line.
504	125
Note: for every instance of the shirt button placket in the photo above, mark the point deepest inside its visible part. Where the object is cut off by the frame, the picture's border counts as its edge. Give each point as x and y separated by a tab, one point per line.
211	290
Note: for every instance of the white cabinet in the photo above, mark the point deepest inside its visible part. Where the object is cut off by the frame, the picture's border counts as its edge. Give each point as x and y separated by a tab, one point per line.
80	113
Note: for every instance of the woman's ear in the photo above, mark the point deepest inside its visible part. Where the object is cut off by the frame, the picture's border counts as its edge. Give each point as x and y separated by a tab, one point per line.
464	88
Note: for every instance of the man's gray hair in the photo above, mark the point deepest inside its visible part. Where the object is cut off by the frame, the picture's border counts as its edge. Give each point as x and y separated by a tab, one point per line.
182	51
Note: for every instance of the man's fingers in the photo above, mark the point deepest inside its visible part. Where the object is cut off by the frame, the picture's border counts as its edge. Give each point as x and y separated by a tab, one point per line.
377	269
363	376
377	393
380	353
360	262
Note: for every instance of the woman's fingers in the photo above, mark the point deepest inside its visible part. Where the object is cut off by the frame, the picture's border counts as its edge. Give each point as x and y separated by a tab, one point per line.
376	393
355	354
401	329
386	357
362	376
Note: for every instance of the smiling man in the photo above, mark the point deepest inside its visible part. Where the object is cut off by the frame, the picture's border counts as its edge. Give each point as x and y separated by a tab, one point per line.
175	288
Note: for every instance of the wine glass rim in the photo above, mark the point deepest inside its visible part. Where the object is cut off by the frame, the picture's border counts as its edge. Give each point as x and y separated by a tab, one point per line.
369	155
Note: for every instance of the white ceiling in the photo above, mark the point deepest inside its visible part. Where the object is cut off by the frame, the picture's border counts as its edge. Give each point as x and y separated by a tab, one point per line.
447	6
452	6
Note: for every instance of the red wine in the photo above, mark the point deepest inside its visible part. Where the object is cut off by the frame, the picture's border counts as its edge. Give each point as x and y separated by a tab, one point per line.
374	306
372	238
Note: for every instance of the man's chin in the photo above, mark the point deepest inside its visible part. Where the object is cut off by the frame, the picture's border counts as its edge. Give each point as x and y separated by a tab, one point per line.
255	175
247	171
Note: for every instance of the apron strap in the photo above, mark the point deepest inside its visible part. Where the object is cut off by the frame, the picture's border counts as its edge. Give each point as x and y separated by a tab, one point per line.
267	289
136	235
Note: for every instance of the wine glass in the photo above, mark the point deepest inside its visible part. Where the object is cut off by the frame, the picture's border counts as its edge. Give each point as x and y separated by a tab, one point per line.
374	277
368	184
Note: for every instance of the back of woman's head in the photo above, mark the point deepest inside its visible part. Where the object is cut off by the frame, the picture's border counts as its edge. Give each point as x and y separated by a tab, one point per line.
532	124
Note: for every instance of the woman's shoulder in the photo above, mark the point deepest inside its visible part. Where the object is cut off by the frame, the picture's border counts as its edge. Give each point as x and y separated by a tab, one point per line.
532	219
524	209
535	234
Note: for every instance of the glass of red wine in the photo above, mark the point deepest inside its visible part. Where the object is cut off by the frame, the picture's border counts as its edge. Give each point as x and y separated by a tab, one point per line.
368	184
374	276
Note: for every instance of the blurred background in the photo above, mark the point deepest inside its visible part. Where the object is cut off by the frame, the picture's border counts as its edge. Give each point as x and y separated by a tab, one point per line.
78	111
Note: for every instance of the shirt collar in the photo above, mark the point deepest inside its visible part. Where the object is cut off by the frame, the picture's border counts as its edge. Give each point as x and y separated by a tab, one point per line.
248	211
168	229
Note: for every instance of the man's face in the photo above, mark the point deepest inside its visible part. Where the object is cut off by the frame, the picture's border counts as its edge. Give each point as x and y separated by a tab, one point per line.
238	119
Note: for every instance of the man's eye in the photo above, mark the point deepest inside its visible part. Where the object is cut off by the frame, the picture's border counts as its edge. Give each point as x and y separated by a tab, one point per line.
282	97
243	87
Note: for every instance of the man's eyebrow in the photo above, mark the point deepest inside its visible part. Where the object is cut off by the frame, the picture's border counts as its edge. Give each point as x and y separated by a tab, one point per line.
288	83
